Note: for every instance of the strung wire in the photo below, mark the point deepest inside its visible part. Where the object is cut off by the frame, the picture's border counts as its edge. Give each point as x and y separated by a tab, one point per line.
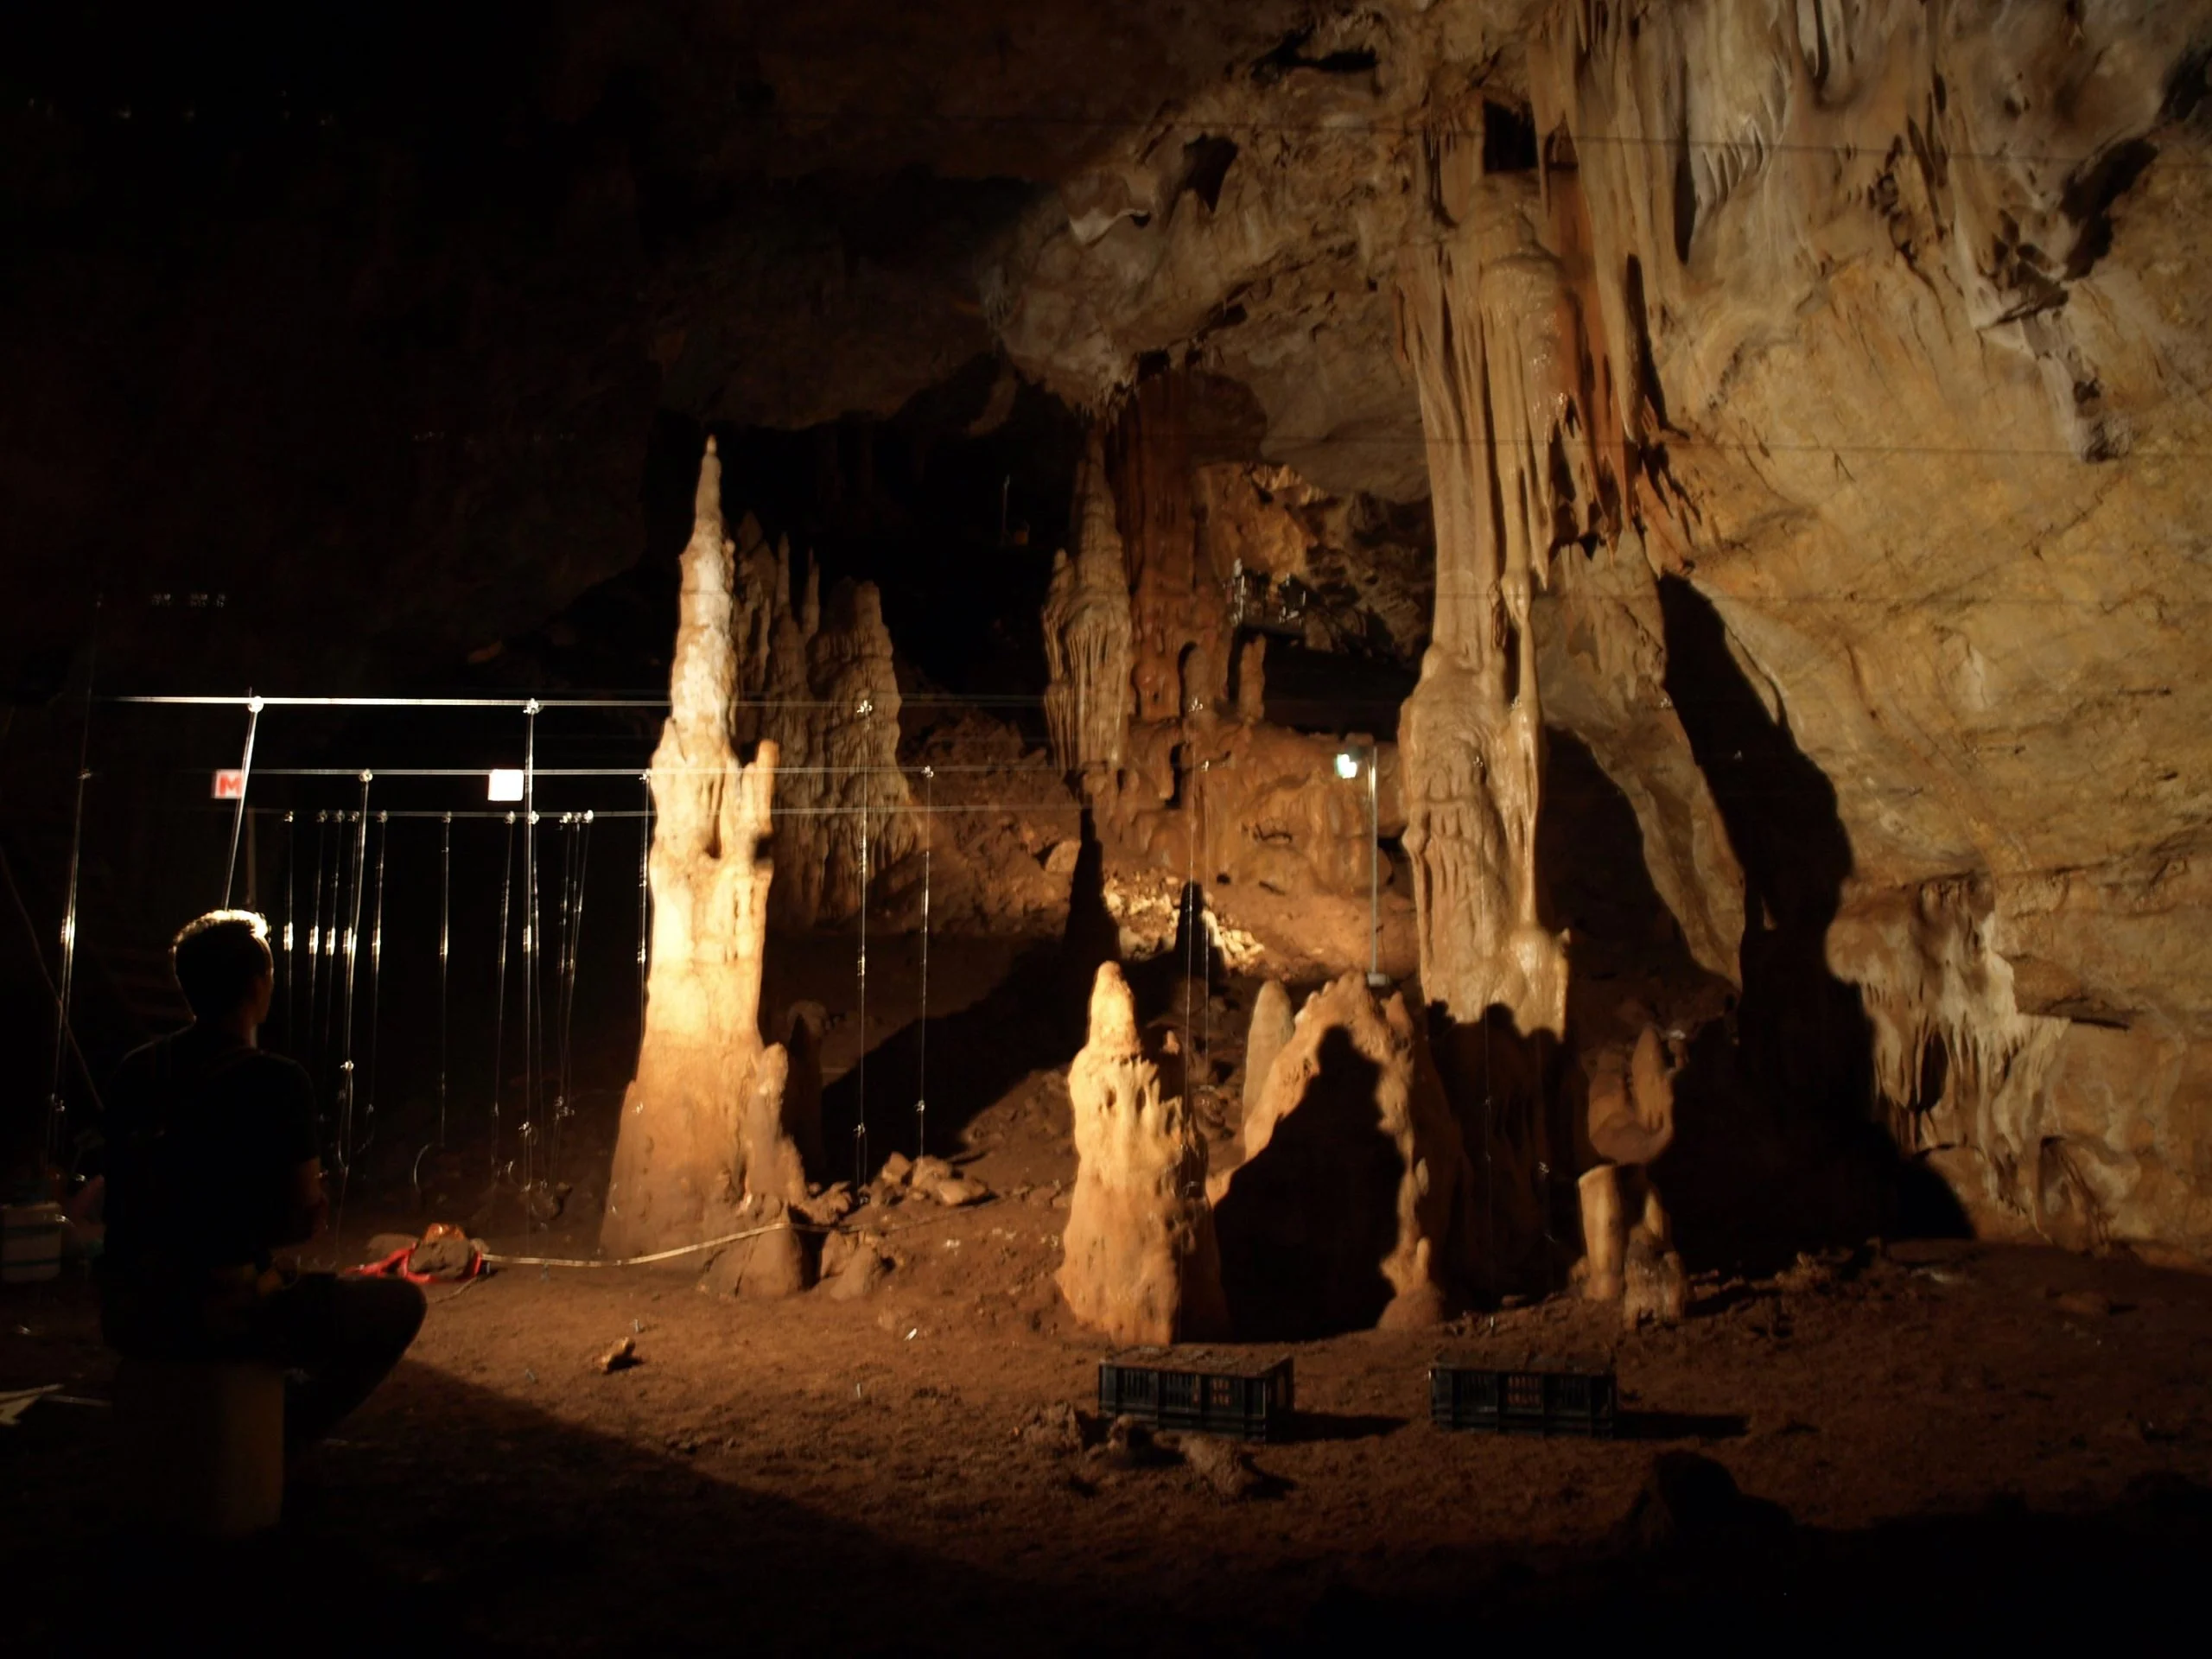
290	981
572	923
922	1031
303	1038
499	1000
376	975
348	1079
445	959
533	1013
860	1071
644	895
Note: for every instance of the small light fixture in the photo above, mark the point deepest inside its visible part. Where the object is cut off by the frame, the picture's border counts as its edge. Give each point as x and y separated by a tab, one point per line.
1347	765
506	784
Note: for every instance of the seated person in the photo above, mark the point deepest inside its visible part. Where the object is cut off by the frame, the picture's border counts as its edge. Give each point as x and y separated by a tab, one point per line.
213	1167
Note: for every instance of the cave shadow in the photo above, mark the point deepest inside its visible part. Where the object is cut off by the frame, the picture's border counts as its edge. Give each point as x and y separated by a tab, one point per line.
1036	1019
1681	1426
1308	1219
1778	1146
1516	1227
449	1516
1333	1427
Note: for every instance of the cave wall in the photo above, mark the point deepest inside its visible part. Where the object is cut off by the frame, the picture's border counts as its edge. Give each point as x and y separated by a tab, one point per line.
1878	605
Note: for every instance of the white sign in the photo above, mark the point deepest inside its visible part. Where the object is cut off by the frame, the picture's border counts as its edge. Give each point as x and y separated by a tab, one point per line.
230	785
506	785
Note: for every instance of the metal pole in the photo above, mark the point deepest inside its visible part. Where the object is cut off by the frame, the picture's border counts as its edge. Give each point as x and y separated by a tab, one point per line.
245	782
1374	872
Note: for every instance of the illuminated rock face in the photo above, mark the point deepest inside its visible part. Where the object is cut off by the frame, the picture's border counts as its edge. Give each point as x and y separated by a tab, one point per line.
1139	1260
1346	1209
1628	1123
1087	634
699	1150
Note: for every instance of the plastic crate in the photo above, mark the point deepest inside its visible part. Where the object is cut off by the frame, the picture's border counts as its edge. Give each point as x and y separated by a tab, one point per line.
1200	1390
1531	1400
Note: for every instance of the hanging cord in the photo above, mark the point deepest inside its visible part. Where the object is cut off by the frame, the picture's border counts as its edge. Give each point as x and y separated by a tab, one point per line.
376	974
922	1031
64	1037
644	895
859	1073
445	958
347	1077
499	1000
565	1011
290	937
245	782
532	1010
304	1044
1204	1054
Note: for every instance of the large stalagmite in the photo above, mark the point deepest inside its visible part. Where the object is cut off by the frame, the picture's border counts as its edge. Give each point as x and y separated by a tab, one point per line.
700	1146
1139	1260
1345	1210
1486	327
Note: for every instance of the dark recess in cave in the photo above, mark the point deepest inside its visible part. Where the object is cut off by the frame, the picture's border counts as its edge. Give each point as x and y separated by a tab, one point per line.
1777	1145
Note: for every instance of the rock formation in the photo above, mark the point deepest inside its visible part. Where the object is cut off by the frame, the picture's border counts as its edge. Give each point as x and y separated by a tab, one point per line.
1487	328
1630	1121
1139	1260
702	1141
1087	634
1345	1207
1267	1037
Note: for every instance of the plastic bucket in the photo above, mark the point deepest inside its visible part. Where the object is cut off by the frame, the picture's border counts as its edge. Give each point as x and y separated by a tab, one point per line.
30	1243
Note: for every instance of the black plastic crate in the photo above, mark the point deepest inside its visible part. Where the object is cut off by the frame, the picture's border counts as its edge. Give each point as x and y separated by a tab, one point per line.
1201	1389
1531	1400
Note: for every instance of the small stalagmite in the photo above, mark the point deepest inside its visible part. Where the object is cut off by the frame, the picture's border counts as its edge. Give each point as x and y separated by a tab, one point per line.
703	1147
1270	1032
1342	1212
1630	1121
1139	1260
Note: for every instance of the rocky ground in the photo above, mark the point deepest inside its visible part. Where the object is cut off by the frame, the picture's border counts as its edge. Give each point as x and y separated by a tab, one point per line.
1999	1436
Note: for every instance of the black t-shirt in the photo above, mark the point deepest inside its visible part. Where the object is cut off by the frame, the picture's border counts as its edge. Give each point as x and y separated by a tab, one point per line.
204	1135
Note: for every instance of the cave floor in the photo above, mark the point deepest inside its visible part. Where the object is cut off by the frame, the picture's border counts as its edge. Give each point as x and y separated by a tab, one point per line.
1996	1433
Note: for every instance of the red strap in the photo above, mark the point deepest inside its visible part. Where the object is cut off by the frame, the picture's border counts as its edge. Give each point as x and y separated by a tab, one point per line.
394	1266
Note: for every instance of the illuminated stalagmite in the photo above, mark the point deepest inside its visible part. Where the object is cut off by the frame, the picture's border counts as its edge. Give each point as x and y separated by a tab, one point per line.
1343	1209
1630	1121
1087	635
1487	326
704	1146
1138	1261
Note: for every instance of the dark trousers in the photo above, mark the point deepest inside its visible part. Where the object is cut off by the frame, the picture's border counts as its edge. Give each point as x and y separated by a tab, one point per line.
339	1338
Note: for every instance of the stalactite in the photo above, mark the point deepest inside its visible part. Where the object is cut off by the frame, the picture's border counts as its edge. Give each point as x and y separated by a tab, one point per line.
1086	621
1488	327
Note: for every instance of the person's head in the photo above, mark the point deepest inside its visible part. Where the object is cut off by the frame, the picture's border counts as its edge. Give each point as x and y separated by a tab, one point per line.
223	966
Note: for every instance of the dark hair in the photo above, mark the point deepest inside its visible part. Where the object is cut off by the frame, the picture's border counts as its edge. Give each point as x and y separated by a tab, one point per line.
217	958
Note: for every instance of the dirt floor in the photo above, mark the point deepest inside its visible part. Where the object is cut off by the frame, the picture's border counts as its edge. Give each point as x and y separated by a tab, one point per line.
1999	1437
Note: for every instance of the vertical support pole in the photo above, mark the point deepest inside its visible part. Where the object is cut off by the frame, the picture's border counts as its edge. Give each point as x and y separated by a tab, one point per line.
245	783
1373	867
529	1011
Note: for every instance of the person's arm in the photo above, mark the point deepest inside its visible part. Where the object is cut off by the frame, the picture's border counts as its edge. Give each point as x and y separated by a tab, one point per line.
308	1207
